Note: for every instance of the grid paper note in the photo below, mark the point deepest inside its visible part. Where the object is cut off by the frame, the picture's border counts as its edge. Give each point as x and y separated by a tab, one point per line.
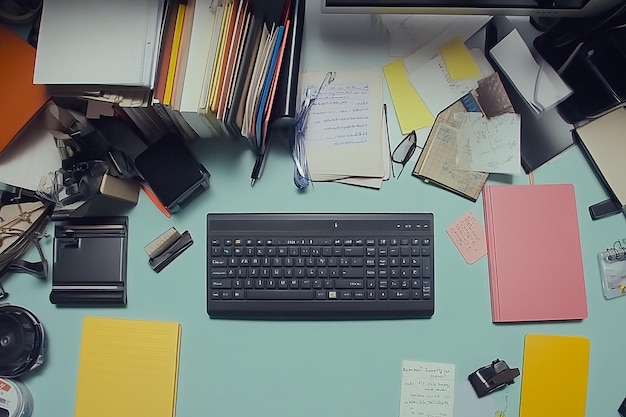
437	163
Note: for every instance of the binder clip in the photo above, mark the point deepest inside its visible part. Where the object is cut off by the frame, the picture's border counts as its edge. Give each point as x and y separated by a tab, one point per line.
622	408
165	248
492	377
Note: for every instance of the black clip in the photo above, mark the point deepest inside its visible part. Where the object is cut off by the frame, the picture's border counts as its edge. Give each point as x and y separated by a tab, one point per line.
492	377
164	258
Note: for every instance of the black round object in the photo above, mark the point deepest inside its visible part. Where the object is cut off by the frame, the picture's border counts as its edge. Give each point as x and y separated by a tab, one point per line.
21	341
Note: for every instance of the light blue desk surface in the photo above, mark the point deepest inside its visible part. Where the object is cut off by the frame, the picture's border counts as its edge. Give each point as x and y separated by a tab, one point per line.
345	368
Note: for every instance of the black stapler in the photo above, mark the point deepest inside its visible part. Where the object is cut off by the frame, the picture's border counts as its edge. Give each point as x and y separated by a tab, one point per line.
492	377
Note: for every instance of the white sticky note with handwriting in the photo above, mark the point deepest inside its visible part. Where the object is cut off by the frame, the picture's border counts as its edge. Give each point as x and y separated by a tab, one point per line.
427	389
489	145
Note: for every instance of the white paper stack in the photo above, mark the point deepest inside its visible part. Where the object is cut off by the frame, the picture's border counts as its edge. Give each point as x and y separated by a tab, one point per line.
345	134
95	42
539	84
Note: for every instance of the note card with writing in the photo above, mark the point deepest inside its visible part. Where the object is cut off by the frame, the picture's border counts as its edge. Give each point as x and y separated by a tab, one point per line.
468	235
489	145
427	389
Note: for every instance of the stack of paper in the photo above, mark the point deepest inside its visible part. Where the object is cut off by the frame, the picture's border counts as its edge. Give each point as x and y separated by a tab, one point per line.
345	134
127	368
99	44
244	57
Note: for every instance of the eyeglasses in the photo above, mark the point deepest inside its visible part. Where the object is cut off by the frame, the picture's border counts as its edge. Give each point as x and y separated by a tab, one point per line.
404	151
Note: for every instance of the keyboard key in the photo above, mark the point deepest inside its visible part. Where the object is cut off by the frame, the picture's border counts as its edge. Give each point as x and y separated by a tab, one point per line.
341	284
279	295
221	283
399	295
345	294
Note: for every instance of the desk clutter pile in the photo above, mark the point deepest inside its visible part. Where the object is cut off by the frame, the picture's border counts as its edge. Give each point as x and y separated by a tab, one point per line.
120	122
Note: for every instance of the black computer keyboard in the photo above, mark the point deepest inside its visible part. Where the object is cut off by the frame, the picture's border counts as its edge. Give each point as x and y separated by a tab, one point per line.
320	266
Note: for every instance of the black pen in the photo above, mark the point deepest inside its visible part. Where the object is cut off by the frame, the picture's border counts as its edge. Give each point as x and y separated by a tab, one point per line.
258	167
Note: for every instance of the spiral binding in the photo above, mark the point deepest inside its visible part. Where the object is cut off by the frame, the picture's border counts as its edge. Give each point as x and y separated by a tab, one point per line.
617	252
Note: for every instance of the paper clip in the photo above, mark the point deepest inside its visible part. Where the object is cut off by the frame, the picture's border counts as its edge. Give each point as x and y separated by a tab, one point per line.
301	176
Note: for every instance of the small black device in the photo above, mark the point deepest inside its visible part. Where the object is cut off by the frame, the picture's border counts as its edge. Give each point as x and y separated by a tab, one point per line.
320	266
89	266
492	377
172	171
21	341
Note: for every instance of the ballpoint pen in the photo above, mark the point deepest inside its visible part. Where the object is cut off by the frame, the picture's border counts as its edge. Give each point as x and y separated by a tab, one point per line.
258	168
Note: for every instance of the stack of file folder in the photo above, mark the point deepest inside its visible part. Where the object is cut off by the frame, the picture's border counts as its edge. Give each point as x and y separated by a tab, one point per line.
204	68
233	66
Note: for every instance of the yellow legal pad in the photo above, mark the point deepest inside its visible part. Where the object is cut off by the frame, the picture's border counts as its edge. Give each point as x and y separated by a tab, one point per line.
127	368
554	376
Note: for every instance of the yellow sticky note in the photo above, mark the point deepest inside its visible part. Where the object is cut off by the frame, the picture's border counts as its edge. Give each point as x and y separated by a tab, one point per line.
458	59
410	109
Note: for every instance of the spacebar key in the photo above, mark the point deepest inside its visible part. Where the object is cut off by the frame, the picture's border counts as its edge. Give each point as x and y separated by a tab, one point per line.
279	295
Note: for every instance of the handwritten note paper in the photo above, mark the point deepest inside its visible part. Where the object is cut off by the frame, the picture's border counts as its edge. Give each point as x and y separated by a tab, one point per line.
343	134
489	145
427	389
468	235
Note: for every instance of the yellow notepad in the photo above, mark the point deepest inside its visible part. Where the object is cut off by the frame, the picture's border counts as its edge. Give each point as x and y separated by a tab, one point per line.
127	368
554	376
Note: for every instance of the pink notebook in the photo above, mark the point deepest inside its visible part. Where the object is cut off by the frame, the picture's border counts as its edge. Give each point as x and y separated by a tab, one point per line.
533	253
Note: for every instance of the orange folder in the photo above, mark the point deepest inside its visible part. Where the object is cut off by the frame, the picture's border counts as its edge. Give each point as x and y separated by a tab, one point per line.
21	99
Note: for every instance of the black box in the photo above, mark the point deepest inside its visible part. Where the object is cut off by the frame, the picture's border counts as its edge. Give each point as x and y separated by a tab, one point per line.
172	172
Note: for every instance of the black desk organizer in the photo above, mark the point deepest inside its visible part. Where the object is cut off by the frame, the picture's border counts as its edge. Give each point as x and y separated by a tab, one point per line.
590	56
89	261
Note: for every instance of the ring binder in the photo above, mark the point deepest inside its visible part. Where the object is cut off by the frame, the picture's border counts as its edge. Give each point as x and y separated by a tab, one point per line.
612	262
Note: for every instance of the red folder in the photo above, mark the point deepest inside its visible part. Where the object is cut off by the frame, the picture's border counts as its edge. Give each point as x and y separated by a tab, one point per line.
534	253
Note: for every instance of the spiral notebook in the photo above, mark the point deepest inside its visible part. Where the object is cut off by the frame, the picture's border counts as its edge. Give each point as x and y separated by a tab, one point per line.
534	253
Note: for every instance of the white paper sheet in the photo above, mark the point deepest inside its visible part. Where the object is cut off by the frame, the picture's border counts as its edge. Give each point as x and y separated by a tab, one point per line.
32	154
427	389
489	145
422	34
112	42
343	132
536	80
437	89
